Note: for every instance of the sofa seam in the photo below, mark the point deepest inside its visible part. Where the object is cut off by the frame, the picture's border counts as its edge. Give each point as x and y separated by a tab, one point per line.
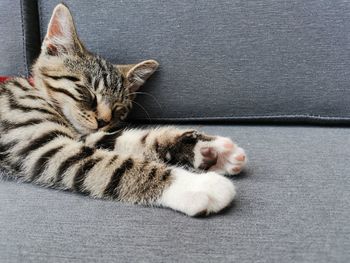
25	59
254	116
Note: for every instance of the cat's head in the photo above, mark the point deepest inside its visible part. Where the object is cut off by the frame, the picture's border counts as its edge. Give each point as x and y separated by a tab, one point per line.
92	93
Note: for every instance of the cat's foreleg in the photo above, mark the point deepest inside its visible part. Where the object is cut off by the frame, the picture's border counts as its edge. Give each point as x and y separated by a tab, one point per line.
67	164
184	147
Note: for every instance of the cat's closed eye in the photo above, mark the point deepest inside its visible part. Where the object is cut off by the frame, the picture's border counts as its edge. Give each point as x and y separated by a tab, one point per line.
93	104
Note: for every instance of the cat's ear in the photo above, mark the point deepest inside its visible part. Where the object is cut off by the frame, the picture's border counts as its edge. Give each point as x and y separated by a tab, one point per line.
61	36
135	75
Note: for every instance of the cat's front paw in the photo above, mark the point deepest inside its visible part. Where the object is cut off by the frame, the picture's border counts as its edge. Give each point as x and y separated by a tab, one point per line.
220	155
197	194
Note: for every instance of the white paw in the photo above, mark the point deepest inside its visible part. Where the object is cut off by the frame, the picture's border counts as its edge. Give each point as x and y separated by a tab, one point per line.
195	194
220	155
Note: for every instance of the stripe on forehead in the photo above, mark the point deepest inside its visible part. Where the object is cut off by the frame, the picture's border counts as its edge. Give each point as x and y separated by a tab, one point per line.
95	82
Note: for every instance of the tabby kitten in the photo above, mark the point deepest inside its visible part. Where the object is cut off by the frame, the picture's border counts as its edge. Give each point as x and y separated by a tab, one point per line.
55	133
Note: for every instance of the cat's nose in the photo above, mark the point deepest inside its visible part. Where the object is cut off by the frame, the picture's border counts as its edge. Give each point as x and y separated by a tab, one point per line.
101	123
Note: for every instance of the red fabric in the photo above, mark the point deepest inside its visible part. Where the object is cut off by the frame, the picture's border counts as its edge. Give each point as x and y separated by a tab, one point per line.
4	78
31	81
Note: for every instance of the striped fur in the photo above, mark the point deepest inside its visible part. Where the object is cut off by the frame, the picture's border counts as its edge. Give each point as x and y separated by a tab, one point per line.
47	148
55	133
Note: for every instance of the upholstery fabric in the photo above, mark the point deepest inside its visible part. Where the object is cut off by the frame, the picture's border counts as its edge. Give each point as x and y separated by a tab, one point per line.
12	49
228	60
19	36
293	205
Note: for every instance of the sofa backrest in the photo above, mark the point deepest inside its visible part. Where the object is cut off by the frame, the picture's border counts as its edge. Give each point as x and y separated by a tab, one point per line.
19	36
227	60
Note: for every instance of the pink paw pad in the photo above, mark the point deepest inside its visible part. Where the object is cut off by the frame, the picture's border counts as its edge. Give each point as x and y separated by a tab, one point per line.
240	157
210	157
222	156
228	145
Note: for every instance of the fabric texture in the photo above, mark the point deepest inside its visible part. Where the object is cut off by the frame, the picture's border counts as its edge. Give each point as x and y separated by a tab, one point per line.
12	49
233	60
293	205
19	36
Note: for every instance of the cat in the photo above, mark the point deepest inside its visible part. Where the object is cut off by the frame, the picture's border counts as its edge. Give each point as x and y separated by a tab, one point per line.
58	133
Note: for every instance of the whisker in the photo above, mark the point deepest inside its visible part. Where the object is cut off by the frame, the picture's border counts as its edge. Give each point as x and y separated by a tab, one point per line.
149	117
152	96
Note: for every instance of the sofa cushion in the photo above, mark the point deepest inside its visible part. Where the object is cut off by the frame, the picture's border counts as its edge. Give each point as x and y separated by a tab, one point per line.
293	205
233	60
19	36
12	51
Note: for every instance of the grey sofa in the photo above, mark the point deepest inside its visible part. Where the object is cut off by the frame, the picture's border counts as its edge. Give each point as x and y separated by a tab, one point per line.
273	75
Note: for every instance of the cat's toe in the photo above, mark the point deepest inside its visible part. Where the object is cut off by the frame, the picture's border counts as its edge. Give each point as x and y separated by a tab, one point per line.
220	155
198	194
234	163
221	192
